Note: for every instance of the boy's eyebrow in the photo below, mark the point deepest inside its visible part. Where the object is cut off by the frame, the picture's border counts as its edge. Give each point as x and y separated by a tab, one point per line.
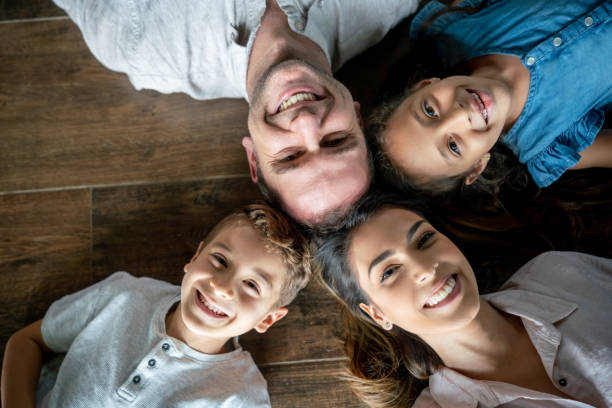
265	276
222	245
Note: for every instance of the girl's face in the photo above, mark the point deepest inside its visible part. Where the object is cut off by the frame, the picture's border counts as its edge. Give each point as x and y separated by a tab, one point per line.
446	127
415	277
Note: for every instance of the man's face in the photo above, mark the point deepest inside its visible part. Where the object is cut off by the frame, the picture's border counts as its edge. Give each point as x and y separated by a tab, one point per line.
308	142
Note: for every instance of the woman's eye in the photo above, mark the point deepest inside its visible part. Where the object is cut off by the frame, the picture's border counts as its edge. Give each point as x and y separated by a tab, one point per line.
424	239
453	146
388	272
429	110
219	260
252	286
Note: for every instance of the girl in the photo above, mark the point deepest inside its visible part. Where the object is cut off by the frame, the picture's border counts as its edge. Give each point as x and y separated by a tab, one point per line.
538	79
416	319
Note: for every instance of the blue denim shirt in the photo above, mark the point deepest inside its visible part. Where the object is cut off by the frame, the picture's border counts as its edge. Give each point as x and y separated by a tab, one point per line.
567	47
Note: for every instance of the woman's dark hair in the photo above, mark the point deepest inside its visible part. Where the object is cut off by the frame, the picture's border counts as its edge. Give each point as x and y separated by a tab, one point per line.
387	368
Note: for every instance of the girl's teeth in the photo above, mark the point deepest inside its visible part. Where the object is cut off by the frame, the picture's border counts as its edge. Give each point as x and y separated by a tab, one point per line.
298	97
442	293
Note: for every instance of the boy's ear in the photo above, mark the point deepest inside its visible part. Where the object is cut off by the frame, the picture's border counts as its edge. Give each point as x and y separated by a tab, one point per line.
249	148
477	168
424	82
195	256
270	319
375	314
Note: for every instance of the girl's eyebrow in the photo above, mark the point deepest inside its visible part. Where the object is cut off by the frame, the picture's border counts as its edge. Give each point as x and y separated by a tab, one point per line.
390	252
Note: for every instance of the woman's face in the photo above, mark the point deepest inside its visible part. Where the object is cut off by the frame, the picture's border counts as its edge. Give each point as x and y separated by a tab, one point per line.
415	277
446	127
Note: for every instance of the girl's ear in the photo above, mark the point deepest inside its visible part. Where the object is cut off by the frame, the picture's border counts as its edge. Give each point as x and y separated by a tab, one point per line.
477	168
376	315
424	82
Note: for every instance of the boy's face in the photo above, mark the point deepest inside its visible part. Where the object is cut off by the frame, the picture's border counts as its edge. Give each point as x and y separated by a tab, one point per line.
232	284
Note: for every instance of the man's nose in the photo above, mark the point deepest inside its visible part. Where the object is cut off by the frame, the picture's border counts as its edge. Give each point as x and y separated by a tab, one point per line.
308	125
222	289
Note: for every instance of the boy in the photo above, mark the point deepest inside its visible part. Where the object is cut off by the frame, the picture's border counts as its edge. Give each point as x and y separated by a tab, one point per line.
144	343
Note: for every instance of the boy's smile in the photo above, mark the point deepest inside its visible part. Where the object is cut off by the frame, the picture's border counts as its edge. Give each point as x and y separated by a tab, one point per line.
231	286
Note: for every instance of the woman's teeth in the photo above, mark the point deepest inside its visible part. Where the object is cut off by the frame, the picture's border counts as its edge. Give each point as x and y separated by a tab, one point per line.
442	293
295	98
209	306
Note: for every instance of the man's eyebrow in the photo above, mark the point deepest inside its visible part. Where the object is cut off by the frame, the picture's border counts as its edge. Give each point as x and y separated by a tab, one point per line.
390	252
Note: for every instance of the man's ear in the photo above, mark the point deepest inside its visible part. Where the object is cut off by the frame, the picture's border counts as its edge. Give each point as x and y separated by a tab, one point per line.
376	315
270	319
249	148
358	112
424	82
195	256
477	168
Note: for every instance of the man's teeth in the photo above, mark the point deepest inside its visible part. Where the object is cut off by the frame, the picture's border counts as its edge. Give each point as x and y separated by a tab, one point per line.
442	293
209	306
298	97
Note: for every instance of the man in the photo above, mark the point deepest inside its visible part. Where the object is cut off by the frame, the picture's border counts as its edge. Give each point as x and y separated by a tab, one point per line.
306	148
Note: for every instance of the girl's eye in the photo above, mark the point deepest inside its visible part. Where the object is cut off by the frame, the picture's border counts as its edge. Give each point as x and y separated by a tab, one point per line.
387	273
219	260
429	110
424	239
252	286
453	146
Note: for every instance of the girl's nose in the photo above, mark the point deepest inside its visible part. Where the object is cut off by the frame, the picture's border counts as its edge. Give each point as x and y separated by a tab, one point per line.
222	291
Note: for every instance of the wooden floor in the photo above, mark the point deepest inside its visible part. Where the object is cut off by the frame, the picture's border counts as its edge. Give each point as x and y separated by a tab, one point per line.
96	177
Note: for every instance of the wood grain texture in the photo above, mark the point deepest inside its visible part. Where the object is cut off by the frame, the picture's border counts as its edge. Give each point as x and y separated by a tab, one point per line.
308	385
45	253
27	9
84	125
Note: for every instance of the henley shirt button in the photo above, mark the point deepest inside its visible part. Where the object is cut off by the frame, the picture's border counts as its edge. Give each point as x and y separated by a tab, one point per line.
299	25
136	379
557	41
152	362
530	61
165	346
588	21
563	382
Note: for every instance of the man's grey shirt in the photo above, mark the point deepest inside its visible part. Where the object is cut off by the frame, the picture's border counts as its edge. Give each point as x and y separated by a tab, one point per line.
202	48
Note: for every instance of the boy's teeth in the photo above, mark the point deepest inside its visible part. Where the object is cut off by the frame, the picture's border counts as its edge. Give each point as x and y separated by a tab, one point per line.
298	97
442	293
209	306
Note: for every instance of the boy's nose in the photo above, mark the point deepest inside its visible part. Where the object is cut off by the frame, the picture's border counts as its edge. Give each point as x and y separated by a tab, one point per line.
222	291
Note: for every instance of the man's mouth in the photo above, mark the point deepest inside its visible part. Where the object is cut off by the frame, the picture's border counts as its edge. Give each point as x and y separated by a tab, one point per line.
205	304
478	98
296	98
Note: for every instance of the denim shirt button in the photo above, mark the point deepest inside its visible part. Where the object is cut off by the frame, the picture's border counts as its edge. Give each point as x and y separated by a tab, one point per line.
563	382
557	41
530	61
588	21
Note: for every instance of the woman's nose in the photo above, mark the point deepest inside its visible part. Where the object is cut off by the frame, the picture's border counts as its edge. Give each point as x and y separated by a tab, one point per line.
424	272
223	291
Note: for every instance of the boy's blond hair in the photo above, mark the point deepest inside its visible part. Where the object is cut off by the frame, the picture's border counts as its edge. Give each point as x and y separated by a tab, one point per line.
281	238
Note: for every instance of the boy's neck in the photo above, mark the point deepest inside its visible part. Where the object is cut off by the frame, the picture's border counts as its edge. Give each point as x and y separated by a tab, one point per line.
176	328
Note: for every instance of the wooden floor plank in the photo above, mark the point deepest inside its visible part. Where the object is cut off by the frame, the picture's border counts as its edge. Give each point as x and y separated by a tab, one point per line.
28	9
153	230
45	253
84	125
308	385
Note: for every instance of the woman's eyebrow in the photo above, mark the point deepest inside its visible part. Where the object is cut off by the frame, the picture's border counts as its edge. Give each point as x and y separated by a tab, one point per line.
390	252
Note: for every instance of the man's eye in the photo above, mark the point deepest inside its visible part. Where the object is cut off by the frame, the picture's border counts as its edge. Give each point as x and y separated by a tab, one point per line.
219	260
453	146
289	158
429	110
334	142
424	239
388	272
252	286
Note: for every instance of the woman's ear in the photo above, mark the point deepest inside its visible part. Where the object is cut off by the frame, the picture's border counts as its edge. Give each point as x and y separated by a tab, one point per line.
477	169
376	315
424	82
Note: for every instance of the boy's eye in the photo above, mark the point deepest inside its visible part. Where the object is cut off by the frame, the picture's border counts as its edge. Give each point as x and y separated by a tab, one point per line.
429	110
388	272
424	239
219	260
453	146
252	286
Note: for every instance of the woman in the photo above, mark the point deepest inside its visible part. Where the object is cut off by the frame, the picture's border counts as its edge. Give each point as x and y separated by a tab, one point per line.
536	77
418	319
